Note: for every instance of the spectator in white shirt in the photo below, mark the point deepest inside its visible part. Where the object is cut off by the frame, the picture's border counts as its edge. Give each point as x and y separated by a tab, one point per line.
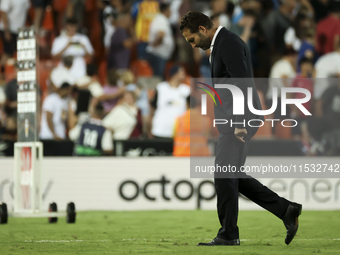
90	82
161	42
168	104
326	68
54	114
124	119
281	75
13	16
73	44
62	73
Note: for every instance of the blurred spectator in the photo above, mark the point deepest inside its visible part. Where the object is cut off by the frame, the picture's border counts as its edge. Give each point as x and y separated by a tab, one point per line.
109	9
328	29
90	82
75	9
39	10
109	18
125	120
120	44
169	102
11	97
62	73
144	12
218	10
13	16
307	48
294	34
244	27
316	128
320	9
327	66
191	132
142	102
91	137
112	92
73	44
276	23
281	75
9	129
161	41
54	114
175	17
331	105
202	58
303	80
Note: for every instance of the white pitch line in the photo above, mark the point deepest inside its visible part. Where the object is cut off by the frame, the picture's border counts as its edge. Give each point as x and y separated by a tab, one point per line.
53	241
172	240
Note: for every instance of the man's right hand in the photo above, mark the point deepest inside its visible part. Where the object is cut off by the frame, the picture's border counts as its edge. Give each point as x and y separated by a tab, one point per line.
240	134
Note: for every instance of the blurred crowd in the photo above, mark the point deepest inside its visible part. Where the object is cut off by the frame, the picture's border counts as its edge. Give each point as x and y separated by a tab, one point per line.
120	69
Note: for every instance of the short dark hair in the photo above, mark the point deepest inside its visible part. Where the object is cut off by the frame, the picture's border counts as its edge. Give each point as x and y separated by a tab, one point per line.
305	60
163	7
99	110
289	51
65	85
193	19
72	21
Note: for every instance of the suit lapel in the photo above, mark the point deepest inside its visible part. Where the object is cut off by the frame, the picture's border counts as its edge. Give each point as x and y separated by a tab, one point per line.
215	47
212	59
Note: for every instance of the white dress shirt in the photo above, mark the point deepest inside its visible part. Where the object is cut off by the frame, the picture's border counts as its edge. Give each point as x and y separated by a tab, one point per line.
213	41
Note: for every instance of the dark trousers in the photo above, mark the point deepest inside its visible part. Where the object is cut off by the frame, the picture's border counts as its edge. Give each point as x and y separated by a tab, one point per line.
158	65
233	152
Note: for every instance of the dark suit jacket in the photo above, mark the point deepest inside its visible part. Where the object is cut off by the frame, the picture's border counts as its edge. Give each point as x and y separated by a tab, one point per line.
231	64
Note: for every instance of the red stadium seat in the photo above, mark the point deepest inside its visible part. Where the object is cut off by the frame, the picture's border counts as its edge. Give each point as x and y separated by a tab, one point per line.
10	71
168	67
141	68
48	19
59	5
265	131
102	73
283	132
45	68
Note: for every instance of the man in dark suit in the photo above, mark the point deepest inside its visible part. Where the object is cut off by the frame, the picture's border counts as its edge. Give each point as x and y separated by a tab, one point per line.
231	64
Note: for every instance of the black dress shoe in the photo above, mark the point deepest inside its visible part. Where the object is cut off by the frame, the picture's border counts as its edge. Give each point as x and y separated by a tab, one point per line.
220	241
291	221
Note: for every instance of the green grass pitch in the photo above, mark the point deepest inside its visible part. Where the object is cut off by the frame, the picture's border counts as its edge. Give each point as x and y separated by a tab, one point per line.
168	232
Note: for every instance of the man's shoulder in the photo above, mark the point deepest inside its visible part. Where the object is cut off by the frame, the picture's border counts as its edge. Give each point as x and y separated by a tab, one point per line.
228	38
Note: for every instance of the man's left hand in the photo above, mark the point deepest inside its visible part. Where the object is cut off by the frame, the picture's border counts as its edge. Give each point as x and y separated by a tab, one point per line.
240	133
